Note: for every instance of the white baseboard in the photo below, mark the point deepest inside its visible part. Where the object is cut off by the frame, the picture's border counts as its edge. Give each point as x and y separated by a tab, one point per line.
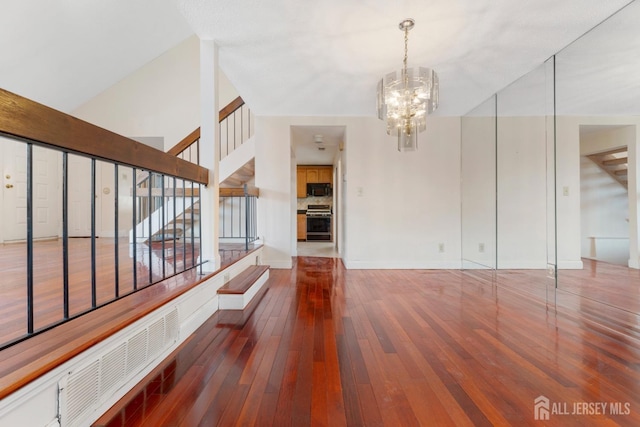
402	265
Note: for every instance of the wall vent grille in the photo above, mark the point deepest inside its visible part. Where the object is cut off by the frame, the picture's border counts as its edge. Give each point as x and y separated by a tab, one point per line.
172	327
82	392
156	338
137	351
113	368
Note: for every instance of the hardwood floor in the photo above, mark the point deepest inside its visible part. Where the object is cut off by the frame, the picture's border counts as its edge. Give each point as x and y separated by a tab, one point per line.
333	347
609	284
48	276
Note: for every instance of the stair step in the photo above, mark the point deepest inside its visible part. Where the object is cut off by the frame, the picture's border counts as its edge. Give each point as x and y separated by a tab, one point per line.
243	281
239	291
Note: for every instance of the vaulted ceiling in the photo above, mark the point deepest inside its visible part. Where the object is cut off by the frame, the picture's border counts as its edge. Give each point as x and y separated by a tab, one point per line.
288	57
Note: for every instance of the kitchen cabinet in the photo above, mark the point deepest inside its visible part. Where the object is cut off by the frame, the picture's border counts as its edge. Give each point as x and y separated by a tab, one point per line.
316	174
325	174
302	227
301	180
312	176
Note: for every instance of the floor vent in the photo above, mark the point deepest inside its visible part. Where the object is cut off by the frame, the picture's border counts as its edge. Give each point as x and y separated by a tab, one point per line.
84	390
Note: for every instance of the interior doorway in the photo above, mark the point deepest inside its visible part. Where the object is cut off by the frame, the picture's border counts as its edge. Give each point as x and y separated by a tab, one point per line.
45	188
317	153
604	198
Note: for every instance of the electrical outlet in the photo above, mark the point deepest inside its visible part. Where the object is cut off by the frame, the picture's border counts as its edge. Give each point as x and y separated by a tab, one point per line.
565	191
480	247
225	278
441	247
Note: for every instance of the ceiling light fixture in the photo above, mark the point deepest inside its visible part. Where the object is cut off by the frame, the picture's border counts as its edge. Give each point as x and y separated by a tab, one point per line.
404	100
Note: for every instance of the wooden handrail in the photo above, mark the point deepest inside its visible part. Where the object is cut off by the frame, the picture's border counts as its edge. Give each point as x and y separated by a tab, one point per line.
185	143
238	192
195	135
30	120
230	108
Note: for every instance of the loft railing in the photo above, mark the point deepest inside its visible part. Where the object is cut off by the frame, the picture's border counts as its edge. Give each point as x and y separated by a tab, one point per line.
238	215
67	169
235	128
238	207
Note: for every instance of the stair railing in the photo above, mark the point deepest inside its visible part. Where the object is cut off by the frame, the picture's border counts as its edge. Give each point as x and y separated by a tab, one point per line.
235	129
238	218
113	267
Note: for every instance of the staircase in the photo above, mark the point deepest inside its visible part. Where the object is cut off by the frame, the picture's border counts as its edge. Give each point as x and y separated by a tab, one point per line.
182	209
613	162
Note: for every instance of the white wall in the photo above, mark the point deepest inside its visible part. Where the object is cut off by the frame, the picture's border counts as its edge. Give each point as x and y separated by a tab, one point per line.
399	208
161	99
478	162
521	192
568	191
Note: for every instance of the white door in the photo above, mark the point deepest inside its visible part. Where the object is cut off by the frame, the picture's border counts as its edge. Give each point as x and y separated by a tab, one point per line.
79	171
46	191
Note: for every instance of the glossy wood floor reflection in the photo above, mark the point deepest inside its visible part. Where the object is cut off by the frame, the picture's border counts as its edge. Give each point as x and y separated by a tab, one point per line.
48	276
333	347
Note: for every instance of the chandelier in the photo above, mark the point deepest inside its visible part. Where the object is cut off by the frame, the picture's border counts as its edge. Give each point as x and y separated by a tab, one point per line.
405	98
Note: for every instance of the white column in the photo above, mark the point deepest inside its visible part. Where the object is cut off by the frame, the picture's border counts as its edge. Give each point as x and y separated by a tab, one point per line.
209	153
633	186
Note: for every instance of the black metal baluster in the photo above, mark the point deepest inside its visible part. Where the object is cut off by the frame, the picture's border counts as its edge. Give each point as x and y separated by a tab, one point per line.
240	215
246	219
193	234
175	225
233	207
223	201
116	233
184	225
65	234
150	229
93	233
200	226
162	225
135	234
30	307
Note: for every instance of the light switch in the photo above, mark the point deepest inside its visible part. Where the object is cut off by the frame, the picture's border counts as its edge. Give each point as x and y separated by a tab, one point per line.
565	190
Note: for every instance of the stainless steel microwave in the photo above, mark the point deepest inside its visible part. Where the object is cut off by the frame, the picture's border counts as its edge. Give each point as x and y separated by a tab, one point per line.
319	190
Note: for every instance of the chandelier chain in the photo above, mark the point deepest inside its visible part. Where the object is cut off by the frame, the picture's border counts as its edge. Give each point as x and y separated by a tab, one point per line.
406	48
